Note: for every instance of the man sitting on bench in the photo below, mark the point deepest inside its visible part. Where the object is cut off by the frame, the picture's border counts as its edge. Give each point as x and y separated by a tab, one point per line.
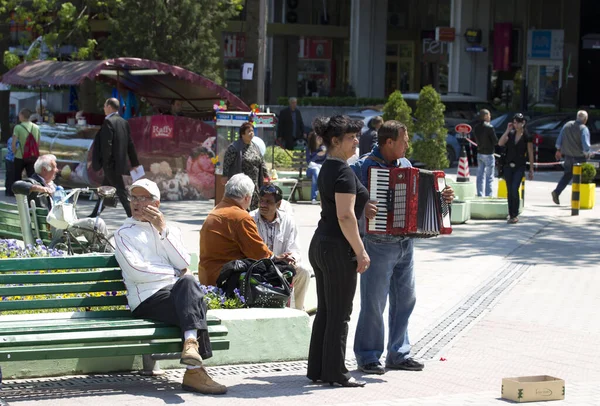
159	285
278	230
40	187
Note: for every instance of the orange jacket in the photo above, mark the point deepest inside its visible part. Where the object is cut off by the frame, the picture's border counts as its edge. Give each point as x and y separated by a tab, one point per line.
228	233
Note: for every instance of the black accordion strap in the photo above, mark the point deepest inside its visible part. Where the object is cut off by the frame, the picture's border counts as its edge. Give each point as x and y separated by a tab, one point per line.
378	160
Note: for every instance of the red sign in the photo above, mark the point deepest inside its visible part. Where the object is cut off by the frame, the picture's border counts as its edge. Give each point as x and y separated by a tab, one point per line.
162	126
314	48
463	128
446	34
235	45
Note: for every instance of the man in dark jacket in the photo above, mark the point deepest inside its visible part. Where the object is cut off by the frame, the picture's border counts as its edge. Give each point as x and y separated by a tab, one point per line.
485	137
368	139
290	127
113	145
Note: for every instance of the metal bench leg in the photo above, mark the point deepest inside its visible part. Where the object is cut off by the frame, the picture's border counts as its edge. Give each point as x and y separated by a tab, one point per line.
151	366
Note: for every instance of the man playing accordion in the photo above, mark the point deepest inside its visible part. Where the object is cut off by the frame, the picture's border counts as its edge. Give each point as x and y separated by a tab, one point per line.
391	270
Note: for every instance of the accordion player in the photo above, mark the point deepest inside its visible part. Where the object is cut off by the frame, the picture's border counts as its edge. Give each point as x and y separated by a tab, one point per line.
409	202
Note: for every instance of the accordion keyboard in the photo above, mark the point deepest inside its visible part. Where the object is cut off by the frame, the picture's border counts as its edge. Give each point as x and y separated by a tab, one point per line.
379	185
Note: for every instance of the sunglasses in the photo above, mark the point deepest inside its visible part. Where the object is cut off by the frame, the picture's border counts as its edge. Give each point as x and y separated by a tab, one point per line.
270	189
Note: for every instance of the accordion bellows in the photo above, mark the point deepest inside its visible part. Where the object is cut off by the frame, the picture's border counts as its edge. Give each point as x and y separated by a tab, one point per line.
409	202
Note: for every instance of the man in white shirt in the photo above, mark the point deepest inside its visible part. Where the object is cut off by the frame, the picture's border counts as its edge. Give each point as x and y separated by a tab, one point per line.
278	230
159	285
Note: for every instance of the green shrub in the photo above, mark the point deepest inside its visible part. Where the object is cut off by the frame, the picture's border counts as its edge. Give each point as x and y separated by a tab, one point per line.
397	109
588	173
282	158
430	147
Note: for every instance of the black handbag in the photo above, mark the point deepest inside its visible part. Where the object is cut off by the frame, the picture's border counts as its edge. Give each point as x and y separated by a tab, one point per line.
263	285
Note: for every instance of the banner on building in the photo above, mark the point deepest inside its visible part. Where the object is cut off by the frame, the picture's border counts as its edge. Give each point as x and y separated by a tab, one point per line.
502	46
545	44
314	48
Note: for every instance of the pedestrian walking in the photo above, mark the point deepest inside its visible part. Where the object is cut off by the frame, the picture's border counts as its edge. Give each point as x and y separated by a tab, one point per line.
485	137
112	146
519	146
27	135
572	145
368	138
9	166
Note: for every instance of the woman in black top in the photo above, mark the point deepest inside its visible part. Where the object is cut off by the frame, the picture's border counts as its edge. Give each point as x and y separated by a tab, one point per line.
519	146
336	251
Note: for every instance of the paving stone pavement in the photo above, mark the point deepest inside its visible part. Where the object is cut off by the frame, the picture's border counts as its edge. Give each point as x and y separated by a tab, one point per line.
539	318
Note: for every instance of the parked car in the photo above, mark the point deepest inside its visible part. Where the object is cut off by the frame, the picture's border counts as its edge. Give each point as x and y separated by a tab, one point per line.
365	115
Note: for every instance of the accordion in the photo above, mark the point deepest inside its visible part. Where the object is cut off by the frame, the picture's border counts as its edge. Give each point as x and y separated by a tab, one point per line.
409	202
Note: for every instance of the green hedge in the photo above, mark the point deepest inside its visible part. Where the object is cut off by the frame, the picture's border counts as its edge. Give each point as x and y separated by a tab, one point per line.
334	101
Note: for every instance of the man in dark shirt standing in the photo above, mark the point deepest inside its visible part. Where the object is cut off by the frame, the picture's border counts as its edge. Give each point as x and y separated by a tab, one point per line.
485	137
368	139
291	125
113	145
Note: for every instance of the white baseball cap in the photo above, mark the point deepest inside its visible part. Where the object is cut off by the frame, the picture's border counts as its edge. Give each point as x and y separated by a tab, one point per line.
147	184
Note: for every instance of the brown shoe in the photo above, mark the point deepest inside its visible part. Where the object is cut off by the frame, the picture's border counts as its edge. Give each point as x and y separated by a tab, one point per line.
190	354
198	380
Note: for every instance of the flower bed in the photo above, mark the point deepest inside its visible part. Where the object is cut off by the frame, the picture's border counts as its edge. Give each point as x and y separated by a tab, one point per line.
215	297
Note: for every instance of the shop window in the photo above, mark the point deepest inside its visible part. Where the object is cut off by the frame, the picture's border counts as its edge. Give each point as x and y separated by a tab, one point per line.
314	67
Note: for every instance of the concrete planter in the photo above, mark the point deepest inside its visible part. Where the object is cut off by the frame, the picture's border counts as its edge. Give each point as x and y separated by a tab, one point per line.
255	335
487	208
463	190
587	195
461	212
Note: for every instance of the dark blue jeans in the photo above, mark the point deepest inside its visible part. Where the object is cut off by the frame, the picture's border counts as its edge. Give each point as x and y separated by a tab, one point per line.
513	177
568	175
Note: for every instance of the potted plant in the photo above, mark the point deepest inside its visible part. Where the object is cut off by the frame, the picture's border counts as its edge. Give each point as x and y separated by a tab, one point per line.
430	146
587	189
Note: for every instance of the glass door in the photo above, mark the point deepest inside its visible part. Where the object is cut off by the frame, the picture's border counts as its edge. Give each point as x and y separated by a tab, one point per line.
399	67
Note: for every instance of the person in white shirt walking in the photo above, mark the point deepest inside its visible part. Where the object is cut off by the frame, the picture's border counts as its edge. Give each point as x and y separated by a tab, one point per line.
278	230
159	284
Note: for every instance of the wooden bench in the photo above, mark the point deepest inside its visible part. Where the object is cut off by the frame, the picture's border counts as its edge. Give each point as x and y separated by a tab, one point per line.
298	182
79	312
11	226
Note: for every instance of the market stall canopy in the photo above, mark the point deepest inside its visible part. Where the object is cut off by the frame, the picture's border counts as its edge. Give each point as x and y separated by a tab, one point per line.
159	83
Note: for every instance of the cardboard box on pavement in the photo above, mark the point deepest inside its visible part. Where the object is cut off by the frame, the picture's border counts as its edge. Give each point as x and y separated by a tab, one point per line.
533	388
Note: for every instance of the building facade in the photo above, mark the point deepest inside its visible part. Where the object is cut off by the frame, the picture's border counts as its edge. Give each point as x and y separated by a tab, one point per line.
500	49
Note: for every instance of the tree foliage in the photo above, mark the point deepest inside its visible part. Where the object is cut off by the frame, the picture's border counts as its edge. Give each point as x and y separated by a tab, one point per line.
397	109
430	145
57	24
178	32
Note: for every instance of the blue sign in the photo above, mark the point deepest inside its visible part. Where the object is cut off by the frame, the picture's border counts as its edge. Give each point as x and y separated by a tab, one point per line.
541	44
475	48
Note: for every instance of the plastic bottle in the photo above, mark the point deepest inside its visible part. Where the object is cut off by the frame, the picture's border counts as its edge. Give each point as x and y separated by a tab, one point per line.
59	194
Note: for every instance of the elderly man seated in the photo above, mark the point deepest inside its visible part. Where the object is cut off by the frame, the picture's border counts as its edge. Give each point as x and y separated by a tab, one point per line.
278	230
159	285
229	232
40	187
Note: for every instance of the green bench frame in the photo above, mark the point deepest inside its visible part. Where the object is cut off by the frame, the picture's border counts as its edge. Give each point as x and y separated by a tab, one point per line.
87	331
10	223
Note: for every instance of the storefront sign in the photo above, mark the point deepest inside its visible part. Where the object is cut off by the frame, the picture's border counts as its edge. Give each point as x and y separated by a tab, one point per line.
473	36
162	126
446	34
314	48
475	48
545	44
435	51
235	45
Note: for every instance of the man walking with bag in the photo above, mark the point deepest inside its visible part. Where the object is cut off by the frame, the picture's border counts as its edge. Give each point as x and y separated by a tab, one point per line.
112	147
27	135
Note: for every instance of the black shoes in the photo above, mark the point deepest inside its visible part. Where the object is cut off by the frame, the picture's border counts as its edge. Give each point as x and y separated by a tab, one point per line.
408	364
372	368
555	198
350	383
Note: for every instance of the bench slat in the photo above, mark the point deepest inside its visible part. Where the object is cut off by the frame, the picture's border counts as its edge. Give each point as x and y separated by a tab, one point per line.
32	354
66	317
100	336
63	326
45	278
73	262
63	303
62	288
10	232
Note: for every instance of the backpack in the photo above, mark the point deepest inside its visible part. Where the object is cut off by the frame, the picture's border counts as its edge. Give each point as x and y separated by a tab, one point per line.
31	150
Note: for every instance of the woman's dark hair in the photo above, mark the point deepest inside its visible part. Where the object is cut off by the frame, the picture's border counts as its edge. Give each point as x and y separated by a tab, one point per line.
332	127
244	127
312	141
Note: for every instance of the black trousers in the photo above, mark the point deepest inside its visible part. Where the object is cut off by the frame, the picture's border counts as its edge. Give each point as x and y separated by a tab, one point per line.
182	305
116	180
9	178
19	166
334	264
513	177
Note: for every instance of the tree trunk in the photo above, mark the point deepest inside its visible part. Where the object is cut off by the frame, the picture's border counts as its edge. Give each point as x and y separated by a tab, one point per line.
253	91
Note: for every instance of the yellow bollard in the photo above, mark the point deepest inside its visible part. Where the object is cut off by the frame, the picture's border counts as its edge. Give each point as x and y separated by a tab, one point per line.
575	188
502	193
